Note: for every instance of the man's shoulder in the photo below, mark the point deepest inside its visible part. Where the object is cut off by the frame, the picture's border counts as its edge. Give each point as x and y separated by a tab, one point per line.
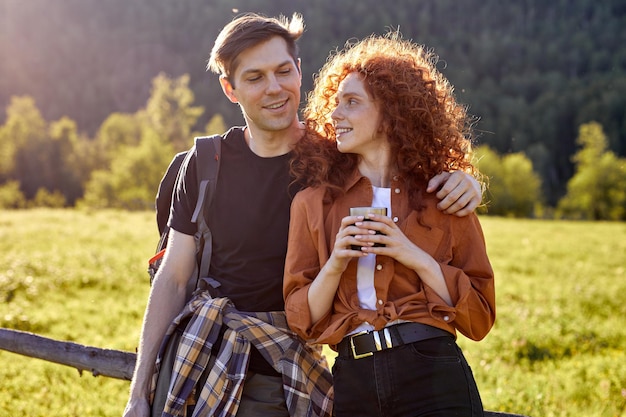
229	135
201	148
233	133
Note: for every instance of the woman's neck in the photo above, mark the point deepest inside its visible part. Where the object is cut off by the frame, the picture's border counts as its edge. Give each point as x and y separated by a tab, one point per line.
378	172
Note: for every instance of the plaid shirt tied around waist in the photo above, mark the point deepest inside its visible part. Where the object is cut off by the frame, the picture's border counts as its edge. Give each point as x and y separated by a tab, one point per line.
307	382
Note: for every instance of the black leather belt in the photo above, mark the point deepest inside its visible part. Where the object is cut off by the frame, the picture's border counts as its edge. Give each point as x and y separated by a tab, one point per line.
361	345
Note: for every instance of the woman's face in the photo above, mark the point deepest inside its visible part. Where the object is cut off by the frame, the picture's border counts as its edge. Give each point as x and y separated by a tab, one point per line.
356	118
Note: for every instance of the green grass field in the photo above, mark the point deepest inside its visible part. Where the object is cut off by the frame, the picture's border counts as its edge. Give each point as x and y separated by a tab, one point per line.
558	347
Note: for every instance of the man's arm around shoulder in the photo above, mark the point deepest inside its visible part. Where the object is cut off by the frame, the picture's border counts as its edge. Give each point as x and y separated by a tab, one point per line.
166	300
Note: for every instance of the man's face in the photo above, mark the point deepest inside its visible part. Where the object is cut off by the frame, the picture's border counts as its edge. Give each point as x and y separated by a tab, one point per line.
266	84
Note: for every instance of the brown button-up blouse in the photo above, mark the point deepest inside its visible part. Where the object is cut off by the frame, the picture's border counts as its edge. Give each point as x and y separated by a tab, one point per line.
456	243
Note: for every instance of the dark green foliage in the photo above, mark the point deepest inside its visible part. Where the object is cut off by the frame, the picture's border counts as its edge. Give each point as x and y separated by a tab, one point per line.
533	71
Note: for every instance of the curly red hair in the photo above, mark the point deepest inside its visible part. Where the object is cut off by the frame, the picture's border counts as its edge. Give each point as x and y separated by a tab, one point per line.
428	131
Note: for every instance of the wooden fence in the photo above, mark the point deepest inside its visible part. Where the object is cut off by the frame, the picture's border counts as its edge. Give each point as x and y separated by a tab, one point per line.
104	362
97	361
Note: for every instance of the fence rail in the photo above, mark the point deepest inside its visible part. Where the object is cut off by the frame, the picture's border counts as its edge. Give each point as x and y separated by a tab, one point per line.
99	362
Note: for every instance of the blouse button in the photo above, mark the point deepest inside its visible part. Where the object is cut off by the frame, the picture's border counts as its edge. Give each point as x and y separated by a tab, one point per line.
379	267
397	191
380	302
395	220
446	318
396	178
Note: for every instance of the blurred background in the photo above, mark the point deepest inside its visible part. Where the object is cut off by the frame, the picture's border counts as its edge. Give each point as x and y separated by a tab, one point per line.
98	95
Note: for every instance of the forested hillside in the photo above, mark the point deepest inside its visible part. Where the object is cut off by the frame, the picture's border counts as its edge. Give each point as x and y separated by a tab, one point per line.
533	71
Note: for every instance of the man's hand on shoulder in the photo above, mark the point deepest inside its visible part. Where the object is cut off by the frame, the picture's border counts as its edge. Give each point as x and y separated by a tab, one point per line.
460	193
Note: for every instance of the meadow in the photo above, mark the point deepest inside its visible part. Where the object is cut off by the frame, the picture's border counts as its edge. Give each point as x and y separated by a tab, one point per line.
558	347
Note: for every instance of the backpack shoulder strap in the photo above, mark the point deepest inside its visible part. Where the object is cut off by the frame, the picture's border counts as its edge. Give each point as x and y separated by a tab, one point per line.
166	188
208	153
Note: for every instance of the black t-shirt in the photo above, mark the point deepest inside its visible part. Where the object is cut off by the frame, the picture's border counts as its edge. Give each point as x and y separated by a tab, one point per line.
249	220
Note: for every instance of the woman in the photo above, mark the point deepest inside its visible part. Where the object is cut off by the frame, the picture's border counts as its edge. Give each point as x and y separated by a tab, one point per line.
391	306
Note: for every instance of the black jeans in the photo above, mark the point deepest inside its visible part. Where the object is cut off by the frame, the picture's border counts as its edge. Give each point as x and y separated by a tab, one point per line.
430	378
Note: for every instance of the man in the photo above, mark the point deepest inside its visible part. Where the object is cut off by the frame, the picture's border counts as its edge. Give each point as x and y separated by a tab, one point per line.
257	60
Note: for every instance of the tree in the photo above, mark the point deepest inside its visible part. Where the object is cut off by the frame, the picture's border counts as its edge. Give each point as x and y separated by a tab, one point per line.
25	146
11	197
597	191
489	164
513	187
65	165
169	110
119	129
24	125
131	179
45	198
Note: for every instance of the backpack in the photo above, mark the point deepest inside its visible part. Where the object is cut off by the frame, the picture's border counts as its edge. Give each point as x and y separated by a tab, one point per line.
207	150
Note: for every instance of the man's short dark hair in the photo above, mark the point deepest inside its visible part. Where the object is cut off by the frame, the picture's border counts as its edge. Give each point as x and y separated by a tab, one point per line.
249	30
